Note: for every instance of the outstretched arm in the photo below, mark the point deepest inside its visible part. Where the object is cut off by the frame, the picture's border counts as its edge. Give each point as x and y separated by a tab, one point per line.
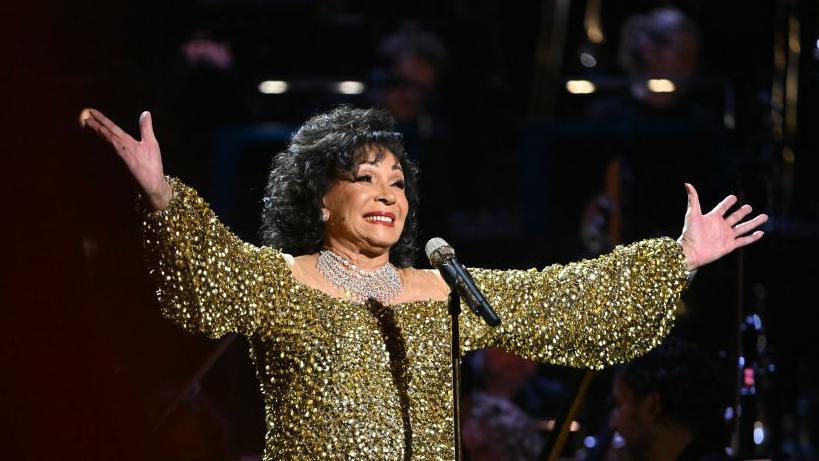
609	309
589	314
207	279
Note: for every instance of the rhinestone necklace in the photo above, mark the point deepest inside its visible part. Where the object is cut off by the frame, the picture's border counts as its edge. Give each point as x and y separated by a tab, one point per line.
383	284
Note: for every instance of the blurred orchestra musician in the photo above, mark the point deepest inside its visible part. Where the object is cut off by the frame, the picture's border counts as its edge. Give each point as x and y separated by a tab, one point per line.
405	81
666	130
495	427
670	405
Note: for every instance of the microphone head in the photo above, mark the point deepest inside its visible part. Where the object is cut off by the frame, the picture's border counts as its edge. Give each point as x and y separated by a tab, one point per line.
437	249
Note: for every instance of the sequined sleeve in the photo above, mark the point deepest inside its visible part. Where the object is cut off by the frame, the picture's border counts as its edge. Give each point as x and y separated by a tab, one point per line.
586	314
207	279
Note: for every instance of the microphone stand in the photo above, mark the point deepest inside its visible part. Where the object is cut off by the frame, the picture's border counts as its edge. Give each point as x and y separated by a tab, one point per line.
455	312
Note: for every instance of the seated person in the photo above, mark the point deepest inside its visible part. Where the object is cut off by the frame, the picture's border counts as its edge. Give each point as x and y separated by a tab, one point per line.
495	428
669	405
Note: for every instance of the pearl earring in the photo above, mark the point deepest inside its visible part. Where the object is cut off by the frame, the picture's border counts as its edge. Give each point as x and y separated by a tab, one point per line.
325	215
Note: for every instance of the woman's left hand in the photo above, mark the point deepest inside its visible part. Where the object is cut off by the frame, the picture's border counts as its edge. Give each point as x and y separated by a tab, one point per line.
708	237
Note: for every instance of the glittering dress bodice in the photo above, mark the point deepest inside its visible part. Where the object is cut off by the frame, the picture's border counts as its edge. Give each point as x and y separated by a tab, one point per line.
343	380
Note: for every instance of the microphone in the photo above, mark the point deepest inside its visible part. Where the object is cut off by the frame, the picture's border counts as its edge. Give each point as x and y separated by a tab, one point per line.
442	257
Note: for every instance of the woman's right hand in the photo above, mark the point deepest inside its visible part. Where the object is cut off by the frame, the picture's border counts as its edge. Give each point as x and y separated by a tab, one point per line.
142	157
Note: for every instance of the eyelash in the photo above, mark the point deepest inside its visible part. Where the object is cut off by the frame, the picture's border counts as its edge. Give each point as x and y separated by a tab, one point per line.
365	177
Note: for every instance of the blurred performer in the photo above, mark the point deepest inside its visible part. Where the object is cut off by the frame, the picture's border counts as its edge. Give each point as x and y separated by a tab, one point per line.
349	340
405	82
664	133
495	428
406	78
670	405
663	44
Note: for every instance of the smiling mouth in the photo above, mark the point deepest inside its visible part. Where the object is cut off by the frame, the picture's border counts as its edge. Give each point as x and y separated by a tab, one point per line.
386	219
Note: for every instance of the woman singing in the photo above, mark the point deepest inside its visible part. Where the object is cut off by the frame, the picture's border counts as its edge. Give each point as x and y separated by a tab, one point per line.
349	340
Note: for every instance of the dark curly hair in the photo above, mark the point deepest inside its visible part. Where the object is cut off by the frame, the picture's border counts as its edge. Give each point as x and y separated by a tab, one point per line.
694	390
328	147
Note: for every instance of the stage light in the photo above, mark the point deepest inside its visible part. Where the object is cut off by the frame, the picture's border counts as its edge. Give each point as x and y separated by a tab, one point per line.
580	87
757	322
350	87
590	441
661	85
759	433
273	86
618	441
549	425
588	60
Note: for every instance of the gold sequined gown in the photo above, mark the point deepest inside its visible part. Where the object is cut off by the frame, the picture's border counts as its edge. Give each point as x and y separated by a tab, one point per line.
349	381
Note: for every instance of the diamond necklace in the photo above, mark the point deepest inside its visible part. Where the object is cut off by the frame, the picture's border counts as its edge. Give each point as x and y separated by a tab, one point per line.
383	284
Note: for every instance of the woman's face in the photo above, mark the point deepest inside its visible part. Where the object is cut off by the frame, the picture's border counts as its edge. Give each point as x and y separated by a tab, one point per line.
368	210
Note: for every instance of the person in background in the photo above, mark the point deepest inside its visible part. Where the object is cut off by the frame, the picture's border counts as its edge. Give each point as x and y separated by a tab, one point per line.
660	135
405	82
495	427
662	44
406	77
670	405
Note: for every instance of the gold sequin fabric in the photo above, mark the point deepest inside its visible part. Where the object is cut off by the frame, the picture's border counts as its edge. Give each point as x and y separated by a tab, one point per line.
343	380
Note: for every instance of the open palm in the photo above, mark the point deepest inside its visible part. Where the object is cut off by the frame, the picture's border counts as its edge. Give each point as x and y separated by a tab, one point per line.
142	157
708	237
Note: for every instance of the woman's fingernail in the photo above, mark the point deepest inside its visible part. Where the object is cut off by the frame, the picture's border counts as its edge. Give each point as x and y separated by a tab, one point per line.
84	116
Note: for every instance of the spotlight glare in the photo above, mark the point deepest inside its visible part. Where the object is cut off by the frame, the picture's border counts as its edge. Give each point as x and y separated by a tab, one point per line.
350	87
273	87
580	87
661	85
